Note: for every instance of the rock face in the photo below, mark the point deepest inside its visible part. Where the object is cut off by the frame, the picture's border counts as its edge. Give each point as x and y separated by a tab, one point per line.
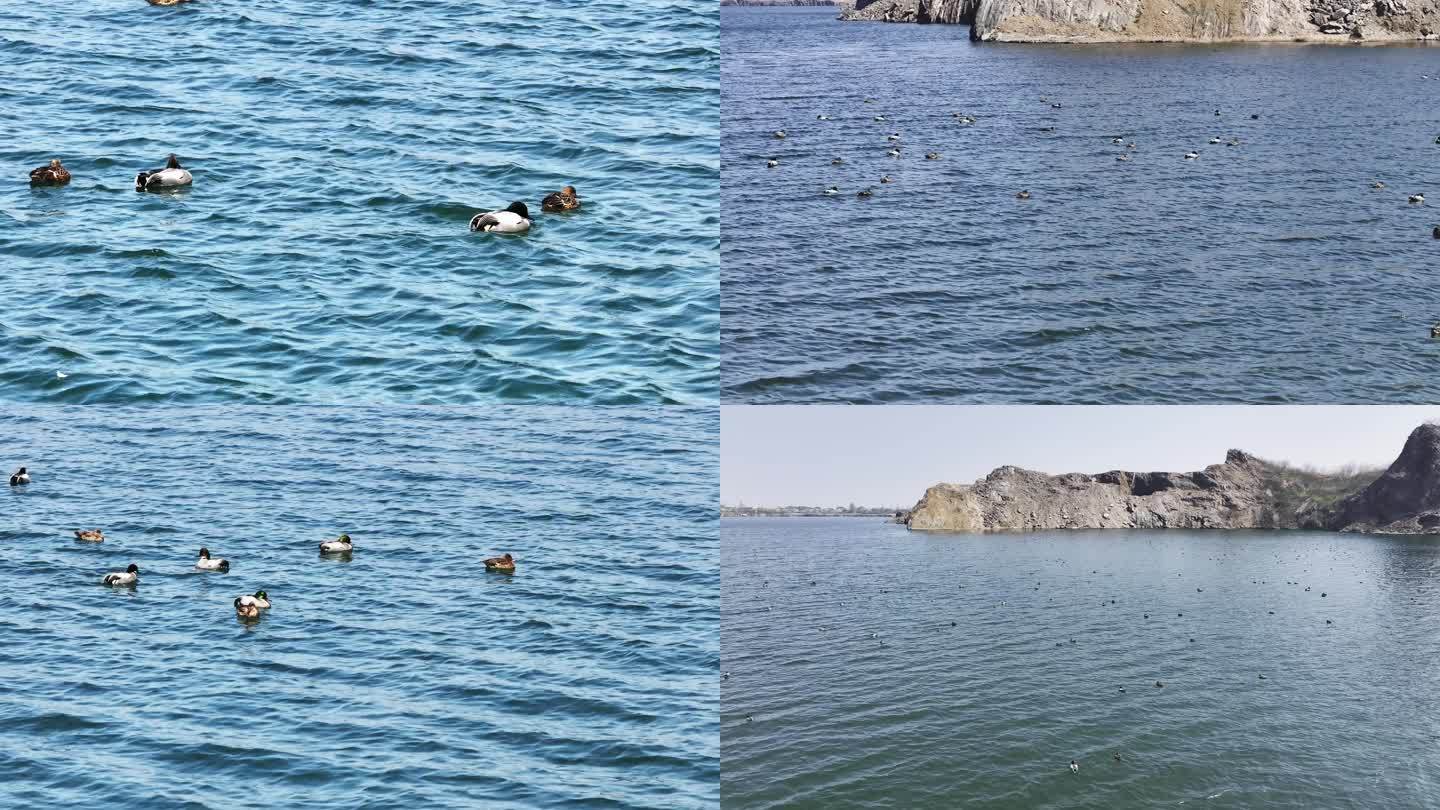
1243	493
1406	498
1168	20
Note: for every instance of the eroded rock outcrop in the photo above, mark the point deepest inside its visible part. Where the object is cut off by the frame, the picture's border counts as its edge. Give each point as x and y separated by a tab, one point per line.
1169	20
1245	492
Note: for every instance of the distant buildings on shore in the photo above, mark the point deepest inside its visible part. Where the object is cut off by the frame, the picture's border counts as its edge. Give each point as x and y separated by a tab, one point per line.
741	510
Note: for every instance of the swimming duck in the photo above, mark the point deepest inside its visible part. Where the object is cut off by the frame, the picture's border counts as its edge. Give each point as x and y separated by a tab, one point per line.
172	176
822	117
246	610
166	2
893	153
837	161
1217	111
865	192
1233	142
90	535
1254	116
894	136
19	478
207	564
1055	106
1122	158
772	163
1191	155
1024	195
965	119
879	118
52	175
1074	766
932	155
261	599
1215	139
1117	141
340	546
1377	184
1417	198
504	564
1118	758
833	190
1263	678
563	200
130	576
886	179
779	133
515	219
1435	233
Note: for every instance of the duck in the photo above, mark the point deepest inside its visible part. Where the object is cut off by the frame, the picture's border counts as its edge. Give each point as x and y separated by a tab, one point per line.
932	155
1122	158
1055	106
246	610
822	117
166	2
129	576
1377	184
51	175
504	564
1159	685
1233	142
1191	155
837	161
90	535
886	179
341	546
19	478
1116	756
261	599
1074	766
207	564
780	133
772	163
895	153
1024	195
1215	139
514	219
563	200
833	190
1417	198
894	136
879	118
864	192
172	176
1435	233
1217	110
1117	141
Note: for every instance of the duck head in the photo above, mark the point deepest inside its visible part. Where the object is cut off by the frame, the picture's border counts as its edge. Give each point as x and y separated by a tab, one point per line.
345	538
508	558
20	471
518	207
569	191
55	164
261	595
132	569
204	553
172	162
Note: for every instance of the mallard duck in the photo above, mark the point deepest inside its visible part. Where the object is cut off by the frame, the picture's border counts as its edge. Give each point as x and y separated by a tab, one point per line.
19	478
246	610
207	564
172	176
1417	198
52	175
340	546
564	200
504	564
1024	195
129	576
90	535
261	599
515	219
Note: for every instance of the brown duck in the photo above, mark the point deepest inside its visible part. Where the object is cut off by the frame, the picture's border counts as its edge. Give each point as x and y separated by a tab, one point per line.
52	175
90	536
505	564
563	200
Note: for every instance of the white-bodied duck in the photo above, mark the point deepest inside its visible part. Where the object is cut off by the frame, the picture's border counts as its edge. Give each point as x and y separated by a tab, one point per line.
341	546
515	219
172	176
205	563
117	579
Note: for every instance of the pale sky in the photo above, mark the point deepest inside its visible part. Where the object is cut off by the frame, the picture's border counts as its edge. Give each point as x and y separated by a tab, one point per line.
887	455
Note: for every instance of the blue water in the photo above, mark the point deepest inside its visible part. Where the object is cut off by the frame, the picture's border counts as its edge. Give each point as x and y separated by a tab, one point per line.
403	676
990	710
339	151
1266	272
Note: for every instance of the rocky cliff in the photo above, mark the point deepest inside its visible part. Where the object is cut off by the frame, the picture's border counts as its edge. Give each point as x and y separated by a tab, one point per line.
1245	492
1169	20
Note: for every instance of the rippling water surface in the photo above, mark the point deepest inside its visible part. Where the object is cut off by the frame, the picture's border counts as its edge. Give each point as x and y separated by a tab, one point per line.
1265	272
339	151
997	659
401	676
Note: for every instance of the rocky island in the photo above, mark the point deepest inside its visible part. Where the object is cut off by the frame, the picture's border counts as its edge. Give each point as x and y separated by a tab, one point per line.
1245	492
1168	20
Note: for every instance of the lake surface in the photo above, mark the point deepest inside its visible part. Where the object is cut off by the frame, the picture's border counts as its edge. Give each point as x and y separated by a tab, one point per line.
401	676
1265	272
990	710
339	152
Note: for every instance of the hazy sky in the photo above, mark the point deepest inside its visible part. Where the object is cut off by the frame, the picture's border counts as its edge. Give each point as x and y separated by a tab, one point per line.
774	455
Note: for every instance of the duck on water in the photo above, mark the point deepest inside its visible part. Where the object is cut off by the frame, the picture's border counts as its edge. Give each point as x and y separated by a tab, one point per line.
170	177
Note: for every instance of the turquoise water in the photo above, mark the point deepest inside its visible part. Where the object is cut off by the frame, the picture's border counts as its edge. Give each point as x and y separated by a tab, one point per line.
997	659
339	152
1268	272
401	676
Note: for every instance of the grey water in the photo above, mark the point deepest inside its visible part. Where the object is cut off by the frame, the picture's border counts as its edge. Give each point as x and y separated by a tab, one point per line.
872	667
1266	272
400	675
339	151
